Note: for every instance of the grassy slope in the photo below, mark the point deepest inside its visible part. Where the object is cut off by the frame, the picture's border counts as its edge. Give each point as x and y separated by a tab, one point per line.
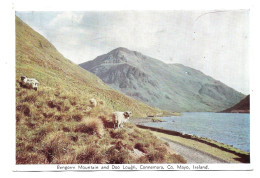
36	57
56	124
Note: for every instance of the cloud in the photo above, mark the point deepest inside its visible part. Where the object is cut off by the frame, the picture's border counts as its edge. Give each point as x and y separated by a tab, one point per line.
214	42
67	19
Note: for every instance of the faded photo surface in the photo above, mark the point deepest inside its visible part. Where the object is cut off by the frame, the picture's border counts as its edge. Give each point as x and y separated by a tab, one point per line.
132	87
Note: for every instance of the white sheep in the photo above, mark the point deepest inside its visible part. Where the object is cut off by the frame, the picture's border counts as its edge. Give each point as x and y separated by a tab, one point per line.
119	118
93	102
29	83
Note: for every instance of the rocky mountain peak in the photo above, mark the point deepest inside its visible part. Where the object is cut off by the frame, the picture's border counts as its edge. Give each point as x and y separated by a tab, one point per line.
123	49
173	87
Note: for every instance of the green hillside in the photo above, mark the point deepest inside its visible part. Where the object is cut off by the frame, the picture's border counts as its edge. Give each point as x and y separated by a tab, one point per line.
36	57
57	125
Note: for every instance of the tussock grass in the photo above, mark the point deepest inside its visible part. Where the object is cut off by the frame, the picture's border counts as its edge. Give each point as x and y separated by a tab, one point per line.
107	121
88	154
25	109
77	117
55	145
118	154
96	125
31	158
92	126
141	147
56	125
47	135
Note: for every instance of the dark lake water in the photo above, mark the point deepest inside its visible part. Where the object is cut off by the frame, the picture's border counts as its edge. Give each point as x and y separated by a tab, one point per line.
228	128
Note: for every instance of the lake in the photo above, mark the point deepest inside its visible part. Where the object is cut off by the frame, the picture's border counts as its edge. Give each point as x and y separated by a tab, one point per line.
228	128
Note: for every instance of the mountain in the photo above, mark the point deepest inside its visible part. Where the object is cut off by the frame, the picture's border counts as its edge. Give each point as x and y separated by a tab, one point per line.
38	58
174	87
57	125
242	107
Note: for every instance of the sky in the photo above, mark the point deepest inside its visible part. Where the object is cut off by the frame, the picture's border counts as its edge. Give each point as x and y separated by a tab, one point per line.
214	42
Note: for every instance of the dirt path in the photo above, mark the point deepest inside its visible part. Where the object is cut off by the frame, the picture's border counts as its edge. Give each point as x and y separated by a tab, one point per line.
192	155
196	150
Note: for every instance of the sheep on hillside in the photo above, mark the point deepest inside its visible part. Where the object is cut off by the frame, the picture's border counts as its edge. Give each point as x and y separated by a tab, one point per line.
119	118
93	102
30	83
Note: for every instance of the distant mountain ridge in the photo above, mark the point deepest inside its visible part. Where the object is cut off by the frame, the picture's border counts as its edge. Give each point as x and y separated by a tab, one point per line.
242	107
173	87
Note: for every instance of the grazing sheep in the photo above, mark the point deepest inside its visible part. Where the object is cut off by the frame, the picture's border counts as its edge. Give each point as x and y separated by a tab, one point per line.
93	102
30	83
120	118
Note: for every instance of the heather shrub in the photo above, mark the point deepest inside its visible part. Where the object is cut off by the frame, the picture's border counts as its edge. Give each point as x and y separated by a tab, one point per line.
18	117
89	154
141	147
25	109
156	156
92	126
31	158
68	158
55	104
119	134
77	117
73	100
40	133
107	121
118	154
55	145
30	98
142	159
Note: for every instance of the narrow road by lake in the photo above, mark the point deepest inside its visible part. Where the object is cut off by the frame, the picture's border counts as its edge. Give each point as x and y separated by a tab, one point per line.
192	155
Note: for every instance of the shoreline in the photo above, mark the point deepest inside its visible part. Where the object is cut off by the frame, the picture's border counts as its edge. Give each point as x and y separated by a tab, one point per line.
141	120
241	156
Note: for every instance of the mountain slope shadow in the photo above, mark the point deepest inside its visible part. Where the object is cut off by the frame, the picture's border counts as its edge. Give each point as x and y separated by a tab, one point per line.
173	87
